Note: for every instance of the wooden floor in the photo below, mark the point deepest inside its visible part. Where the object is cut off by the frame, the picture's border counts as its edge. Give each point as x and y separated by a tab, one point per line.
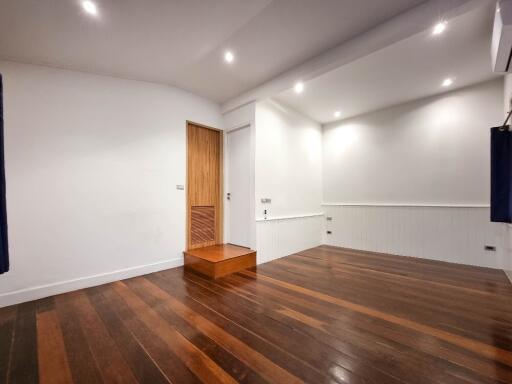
325	315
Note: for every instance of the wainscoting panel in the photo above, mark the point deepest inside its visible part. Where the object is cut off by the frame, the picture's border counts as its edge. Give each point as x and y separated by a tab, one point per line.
281	237
453	234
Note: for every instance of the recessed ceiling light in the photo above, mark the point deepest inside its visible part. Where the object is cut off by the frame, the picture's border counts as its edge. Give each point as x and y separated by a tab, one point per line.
299	87
439	28
229	57
90	7
337	114
447	82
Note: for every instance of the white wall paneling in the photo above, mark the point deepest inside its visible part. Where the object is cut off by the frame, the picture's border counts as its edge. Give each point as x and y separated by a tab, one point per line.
281	237
453	234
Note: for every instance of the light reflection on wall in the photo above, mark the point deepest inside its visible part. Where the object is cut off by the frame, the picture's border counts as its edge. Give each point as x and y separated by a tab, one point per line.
341	139
310	140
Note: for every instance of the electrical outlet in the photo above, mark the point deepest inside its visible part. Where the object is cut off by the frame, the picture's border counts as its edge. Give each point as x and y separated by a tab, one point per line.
491	248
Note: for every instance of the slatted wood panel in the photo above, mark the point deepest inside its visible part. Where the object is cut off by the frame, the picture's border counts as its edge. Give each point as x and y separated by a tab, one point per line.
204	186
325	315
202	225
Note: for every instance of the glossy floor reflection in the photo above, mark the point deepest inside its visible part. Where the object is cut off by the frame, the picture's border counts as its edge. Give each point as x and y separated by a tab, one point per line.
326	315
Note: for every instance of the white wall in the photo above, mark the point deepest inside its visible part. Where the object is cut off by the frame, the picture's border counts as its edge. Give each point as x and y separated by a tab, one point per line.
92	165
288	171
431	151
288	161
431	156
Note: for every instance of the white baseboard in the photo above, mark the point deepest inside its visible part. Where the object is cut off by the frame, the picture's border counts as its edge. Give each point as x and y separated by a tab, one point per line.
39	292
509	275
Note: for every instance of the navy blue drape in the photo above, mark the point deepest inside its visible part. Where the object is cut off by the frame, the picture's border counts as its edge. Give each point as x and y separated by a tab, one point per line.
4	245
501	175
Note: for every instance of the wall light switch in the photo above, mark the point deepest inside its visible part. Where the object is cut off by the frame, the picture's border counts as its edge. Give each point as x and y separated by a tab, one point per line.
266	200
180	187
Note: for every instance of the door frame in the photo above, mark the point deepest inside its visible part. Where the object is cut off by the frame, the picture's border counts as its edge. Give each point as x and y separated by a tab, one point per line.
219	221
252	144
227	178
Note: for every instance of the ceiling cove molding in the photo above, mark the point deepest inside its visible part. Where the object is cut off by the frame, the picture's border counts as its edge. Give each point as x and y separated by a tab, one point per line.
409	23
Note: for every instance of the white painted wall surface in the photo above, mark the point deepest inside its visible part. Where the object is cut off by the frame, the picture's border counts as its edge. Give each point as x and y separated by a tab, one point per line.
431	151
288	171
283	237
288	161
92	166
383	168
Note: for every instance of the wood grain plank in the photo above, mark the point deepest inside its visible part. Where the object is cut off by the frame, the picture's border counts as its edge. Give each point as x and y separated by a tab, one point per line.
222	357
324	315
84	368
7	321
53	361
194	359
111	364
313	358
201	300
24	364
169	363
144	367
252	358
483	349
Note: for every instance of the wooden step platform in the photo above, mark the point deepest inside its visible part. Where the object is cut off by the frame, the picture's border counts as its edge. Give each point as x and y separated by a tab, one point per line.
219	260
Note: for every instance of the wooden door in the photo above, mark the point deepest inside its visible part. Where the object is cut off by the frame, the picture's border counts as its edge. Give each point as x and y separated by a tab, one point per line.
204	186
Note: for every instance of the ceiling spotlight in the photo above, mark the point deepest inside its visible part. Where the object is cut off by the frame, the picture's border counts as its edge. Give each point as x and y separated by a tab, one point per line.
447	82
299	87
89	7
337	114
229	57
439	28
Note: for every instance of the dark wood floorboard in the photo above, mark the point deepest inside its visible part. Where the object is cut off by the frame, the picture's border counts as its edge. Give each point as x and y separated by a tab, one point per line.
324	315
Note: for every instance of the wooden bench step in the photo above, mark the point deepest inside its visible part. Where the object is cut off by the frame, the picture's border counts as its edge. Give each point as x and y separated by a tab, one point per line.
219	260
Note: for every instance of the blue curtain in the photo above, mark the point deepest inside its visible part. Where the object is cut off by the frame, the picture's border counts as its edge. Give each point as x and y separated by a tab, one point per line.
4	246
501	175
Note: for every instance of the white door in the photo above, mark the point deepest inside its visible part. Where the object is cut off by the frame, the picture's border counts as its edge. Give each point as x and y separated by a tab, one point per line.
238	189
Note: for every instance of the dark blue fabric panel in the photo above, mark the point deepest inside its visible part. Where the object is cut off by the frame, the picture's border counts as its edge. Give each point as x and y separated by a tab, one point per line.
4	245
501	175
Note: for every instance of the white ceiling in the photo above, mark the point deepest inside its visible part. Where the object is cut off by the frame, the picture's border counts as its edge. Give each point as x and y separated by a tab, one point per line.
181	42
404	71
